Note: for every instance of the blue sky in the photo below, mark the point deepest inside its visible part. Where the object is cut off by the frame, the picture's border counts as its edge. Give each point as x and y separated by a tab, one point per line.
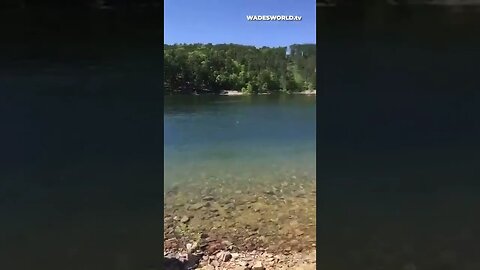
224	21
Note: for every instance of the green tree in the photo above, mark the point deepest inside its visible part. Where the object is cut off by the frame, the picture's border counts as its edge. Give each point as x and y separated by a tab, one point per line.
207	67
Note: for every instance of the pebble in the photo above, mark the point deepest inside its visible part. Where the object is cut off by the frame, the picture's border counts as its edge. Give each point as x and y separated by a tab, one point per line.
199	205
224	256
184	219
227	257
258	266
215	263
299	232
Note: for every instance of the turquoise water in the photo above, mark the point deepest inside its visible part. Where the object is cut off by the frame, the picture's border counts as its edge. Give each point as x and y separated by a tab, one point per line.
262	138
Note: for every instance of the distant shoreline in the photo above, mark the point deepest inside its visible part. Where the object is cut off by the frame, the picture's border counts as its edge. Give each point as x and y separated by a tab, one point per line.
306	92
240	93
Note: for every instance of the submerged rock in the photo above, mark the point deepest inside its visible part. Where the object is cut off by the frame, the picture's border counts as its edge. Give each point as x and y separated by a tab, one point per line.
185	219
208	198
269	192
173	190
299	232
248	218
197	206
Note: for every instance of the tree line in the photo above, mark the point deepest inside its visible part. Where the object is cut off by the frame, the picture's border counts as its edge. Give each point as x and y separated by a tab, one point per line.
212	68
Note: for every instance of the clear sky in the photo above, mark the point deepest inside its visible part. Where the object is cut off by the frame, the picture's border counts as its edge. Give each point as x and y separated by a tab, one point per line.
224	21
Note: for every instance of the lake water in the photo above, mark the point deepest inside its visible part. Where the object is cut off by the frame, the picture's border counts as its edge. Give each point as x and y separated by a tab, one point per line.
247	137
252	157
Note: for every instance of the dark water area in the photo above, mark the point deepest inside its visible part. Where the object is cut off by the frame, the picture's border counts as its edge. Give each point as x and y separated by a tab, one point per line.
397	139
81	141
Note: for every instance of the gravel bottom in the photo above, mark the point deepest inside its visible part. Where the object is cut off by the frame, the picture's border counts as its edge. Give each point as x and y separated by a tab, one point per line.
220	224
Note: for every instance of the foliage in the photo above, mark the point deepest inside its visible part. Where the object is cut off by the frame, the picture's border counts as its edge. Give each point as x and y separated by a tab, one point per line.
213	68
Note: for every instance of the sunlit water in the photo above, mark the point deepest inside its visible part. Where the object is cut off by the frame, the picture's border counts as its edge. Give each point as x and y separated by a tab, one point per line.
242	169
249	138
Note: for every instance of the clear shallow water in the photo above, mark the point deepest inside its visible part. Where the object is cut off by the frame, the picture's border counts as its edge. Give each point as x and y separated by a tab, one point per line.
242	169
262	138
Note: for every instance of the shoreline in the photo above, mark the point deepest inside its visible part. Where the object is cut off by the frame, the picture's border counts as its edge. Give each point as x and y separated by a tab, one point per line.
195	258
306	92
240	93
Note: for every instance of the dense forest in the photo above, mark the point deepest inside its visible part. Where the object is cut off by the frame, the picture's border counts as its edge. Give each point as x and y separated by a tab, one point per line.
213	68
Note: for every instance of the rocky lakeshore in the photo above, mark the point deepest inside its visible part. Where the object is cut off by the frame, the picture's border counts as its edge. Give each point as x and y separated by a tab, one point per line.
224	224
254	260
